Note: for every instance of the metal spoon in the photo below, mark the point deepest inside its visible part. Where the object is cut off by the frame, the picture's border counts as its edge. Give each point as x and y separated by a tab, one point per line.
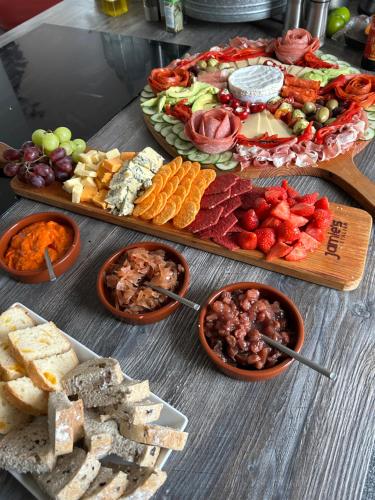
298	357
172	295
51	272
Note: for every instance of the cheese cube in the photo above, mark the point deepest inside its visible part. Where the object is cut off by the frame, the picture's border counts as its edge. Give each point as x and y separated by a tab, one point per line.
80	169
88	193
88	181
112	165
106	178
113	153
70	183
76	193
99	199
127	155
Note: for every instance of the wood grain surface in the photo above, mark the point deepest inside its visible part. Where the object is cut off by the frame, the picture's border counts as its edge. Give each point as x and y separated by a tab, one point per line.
297	437
338	263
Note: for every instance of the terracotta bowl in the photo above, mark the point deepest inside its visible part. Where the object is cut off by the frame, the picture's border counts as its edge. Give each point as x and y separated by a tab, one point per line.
149	317
60	266
295	323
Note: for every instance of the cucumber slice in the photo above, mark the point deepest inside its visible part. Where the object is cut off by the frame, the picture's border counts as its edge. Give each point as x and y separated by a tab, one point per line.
198	156
183	136
165	130
158	126
224	157
143	99
369	134
211	159
160	104
170	119
371	108
229	165
371	115
150	103
147	95
328	57
178	127
354	71
184	152
183	145
148	89
156	117
149	111
318	53
171	138
343	64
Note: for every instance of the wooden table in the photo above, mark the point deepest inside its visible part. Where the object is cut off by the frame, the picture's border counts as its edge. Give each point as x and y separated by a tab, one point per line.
296	437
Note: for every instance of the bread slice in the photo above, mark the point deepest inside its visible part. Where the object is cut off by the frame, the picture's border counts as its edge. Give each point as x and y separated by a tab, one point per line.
165	437
126	392
108	485
143	482
65	422
14	318
134	413
26	396
71	477
96	374
37	342
10	369
47	373
27	449
10	417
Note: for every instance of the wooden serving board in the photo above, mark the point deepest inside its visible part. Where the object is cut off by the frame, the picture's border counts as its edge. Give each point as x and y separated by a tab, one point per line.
338	263
340	170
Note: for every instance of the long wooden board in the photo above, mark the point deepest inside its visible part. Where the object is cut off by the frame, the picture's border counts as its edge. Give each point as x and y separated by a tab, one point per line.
339	262
340	170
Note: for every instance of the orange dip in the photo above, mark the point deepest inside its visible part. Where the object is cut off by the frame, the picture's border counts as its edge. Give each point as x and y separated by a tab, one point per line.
26	248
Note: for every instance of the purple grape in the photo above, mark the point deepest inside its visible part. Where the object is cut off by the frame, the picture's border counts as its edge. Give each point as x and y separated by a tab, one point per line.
65	165
31	153
49	178
36	181
61	176
42	169
11	169
27	144
57	154
12	154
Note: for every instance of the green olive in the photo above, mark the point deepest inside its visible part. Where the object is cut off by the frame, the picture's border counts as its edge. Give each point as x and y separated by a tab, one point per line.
274	100
329	121
332	104
202	64
309	108
322	115
300	126
298	113
286	106
212	62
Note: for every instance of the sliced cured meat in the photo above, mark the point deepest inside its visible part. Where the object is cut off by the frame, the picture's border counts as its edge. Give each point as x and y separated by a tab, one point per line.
226	241
224	128
294	45
206	219
248	199
222	183
236	229
213	200
211	127
230	205
202	128
221	228
294	81
242	186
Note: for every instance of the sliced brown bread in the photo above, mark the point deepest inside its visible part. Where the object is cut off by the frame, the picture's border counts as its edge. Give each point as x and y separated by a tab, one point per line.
94	374
165	437
10	417
135	413
27	449
10	369
108	485
14	318
26	396
47	373
126	392
37	342
65	422
71	477
143	482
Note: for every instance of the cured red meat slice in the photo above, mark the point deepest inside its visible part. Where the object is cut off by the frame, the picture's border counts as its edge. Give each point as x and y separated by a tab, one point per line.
202	128
226	241
206	219
213	200
248	199
230	205
236	229
242	186
221	184
211	126
221	228
224	128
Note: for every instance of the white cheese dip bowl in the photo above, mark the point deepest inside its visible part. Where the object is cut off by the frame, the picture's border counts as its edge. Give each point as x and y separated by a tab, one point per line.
256	83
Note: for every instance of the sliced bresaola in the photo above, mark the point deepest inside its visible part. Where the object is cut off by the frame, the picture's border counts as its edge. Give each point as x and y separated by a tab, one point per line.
242	186
222	183
236	229
230	205
206	219
221	228
226	241
248	199
213	200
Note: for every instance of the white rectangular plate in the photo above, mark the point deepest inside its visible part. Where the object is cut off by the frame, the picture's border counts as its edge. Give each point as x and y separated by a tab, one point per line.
169	417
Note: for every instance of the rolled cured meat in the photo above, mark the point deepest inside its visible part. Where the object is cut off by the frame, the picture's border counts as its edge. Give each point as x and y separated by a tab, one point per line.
294	44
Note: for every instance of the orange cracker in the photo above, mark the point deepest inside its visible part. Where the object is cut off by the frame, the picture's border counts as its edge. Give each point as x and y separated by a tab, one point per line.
194	194
146	194
178	200
187	214
156	207
141	208
208	174
166	214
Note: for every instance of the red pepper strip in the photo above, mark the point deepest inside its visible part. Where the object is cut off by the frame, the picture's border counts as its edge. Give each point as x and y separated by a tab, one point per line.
179	111
265	141
346	117
312	61
307	134
229	54
337	82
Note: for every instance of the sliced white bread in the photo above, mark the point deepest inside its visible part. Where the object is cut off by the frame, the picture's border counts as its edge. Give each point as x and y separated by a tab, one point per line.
65	422
165	437
108	485
126	392
71	476
14	318
47	373
27	449
10	369
143	482
10	417
135	413
37	342
26	396
94	374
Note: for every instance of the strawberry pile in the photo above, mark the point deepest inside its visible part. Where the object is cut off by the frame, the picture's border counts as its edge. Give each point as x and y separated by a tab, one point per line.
282	223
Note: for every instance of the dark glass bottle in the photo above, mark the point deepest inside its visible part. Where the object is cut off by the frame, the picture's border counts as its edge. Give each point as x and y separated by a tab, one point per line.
368	59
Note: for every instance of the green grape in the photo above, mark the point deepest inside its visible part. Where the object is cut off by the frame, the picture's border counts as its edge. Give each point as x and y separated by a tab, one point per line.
63	134
79	145
76	156
73	145
50	141
67	145
37	136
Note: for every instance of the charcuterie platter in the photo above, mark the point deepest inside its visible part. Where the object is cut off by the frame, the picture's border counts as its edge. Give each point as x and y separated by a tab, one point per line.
266	108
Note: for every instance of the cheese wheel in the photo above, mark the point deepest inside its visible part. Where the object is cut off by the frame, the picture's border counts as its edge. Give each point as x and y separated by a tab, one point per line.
256	83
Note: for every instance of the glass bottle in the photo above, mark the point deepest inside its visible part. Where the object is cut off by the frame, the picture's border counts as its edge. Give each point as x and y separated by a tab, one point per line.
368	59
114	8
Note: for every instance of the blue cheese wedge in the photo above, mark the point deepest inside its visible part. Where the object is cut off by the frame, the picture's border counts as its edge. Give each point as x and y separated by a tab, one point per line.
256	83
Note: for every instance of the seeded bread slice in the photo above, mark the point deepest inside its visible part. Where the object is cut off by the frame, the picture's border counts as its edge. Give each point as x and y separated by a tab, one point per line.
27	449
65	422
143	482
10	417
126	392
26	396
14	318
134	413
47	373
108	485
165	437
10	369
37	342
94	374
71	477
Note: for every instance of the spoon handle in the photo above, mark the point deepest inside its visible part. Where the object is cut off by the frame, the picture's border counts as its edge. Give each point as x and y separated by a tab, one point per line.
293	354
174	296
51	272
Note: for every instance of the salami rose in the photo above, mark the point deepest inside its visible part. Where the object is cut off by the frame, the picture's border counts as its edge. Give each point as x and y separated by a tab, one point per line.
294	44
213	131
358	88
162	78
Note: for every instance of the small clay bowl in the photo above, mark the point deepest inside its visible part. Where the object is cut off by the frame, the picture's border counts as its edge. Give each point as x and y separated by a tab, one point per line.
60	266
295	324
148	317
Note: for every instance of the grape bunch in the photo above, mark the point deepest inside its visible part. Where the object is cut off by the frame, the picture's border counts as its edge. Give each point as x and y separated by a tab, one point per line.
47	157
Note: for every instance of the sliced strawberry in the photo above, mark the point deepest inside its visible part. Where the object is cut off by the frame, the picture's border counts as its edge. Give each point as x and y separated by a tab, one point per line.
278	251
262	208
304	209
315	232
297	220
249	220
275	194
322	203
247	240
309	242
281	210
299	252
321	218
308	198
288	232
266	239
291	202
273	222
